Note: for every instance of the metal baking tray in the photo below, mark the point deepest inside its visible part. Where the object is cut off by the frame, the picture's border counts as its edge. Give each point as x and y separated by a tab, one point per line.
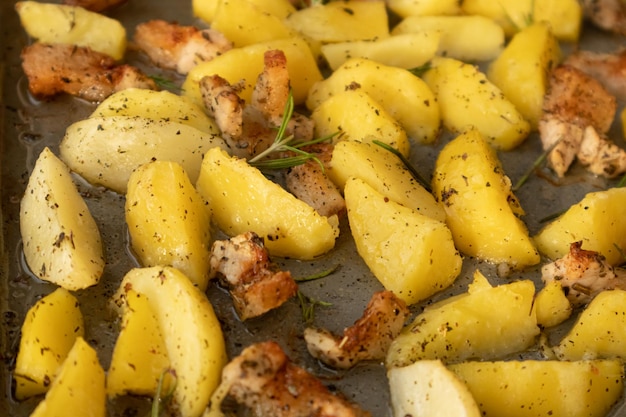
28	125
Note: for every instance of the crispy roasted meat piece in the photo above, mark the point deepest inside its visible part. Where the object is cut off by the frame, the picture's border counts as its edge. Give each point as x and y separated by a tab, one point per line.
368	338
310	183
608	68
256	285
223	103
177	47
79	71
609	15
265	380
95	5
575	102
583	274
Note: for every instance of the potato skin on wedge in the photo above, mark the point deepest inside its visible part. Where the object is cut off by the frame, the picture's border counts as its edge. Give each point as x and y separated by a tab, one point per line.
61	239
481	210
410	253
242	199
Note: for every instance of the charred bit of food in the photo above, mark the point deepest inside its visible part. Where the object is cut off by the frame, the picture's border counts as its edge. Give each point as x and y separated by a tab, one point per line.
608	68
577	109
609	15
250	128
256	285
368	338
95	5
310	183
583	274
265	380
79	71
180	48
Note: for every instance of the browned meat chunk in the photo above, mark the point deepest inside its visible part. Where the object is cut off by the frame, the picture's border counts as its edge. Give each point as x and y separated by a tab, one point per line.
177	47
368	338
79	71
606	14
256	285
608	69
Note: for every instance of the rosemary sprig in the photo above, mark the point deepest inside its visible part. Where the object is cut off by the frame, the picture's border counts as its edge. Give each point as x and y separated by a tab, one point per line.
421	70
322	274
535	165
622	182
407	163
165	83
158	399
284	143
308	304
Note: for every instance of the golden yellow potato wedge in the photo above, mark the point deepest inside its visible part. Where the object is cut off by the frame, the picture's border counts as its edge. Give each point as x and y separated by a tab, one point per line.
59	23
512	15
359	117
49	331
106	150
411	254
551	305
521	71
192	333
206	9
61	239
467	99
78	388
427	388
406	50
465	326
156	105
597	220
140	355
565	17
383	171
466	38
168	221
600	330
406	8
244	23
247	63
242	199
543	388
403	95
481	210
350	20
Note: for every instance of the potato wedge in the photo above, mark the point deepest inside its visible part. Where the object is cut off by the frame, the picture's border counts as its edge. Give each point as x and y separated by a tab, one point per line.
350	20
521	71
49	331
59	23
407	50
596	220
463	326
106	150
246	64
192	333
156	105
403	95
551	305
359	117
242	199
565	17
599	331
139	355
411	254
481	210
406	8
168	221
468	100
512	15
61	239
427	388
543	388
244	23
79	386
466	38
384	172
206	9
